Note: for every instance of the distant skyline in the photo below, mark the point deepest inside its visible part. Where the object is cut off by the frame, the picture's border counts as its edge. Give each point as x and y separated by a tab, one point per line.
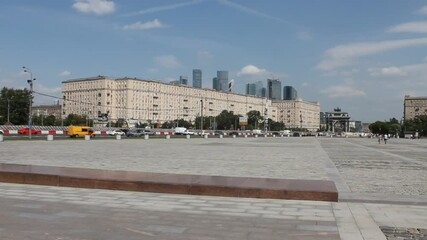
362	56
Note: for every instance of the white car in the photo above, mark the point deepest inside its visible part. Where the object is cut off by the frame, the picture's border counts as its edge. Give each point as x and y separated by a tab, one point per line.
116	132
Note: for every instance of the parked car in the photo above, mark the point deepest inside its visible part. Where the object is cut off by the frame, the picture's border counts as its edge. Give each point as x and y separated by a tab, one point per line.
27	131
116	132
183	131
233	133
135	132
217	132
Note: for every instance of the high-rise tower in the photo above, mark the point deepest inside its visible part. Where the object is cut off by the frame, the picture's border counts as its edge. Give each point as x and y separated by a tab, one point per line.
197	78
274	87
289	93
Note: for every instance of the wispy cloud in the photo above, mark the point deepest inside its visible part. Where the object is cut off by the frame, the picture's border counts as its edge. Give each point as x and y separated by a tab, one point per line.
340	91
167	61
413	27
99	7
344	55
423	10
64	73
165	8
254	12
144	25
414	70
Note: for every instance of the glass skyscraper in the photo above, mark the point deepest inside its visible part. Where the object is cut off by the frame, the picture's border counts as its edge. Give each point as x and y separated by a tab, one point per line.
215	83
197	78
251	89
289	93
274	87
222	77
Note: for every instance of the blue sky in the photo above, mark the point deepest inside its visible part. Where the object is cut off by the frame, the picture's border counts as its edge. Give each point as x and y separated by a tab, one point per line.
362	56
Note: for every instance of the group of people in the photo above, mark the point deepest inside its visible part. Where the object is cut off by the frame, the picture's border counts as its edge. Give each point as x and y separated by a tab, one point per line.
382	137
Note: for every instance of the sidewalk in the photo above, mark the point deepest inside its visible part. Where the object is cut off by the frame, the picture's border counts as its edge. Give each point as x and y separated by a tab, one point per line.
379	186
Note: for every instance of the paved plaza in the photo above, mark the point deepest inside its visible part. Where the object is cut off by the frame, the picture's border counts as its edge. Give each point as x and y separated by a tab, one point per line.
382	190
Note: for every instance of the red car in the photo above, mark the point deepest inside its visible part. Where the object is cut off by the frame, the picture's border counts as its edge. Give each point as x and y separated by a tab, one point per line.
27	131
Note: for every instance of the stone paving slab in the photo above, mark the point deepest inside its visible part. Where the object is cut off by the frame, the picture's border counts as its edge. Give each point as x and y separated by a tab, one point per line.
43	212
370	195
319	190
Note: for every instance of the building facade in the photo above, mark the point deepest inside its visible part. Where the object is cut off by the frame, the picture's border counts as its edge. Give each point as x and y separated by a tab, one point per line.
274	87
414	107
298	114
47	110
289	93
197	78
152	101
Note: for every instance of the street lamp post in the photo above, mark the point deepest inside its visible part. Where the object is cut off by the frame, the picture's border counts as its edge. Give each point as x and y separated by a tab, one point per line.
8	110
30	81
201	114
300	115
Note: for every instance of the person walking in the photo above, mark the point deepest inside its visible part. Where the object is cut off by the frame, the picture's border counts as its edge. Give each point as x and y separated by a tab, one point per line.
379	138
385	138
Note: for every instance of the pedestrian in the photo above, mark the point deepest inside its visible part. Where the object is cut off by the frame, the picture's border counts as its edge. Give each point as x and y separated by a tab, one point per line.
379	138
385	138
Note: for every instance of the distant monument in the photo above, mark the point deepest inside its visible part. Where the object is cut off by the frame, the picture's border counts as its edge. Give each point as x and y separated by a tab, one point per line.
337	121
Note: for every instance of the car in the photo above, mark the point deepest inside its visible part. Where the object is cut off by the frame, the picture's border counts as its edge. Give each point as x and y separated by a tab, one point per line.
136	132
217	132
233	133
116	132
1	132
27	131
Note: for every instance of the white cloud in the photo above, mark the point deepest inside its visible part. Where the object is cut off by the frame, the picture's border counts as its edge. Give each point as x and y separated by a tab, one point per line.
343	55
64	74
423	10
413	27
250	70
144	26
99	7
413	71
165	8
339	91
387	71
167	61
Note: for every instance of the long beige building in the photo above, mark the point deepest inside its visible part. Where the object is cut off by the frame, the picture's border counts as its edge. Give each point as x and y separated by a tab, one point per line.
156	102
414	106
298	113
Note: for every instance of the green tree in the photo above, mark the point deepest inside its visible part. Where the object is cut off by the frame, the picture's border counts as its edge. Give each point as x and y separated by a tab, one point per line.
206	122
254	117
418	124
18	101
227	120
275	126
168	124
44	120
75	119
380	127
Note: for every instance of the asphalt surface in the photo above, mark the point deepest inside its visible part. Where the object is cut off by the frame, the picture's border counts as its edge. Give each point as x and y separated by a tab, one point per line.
382	190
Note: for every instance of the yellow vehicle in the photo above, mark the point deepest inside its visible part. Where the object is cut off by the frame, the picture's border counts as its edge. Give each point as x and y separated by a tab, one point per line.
80	131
